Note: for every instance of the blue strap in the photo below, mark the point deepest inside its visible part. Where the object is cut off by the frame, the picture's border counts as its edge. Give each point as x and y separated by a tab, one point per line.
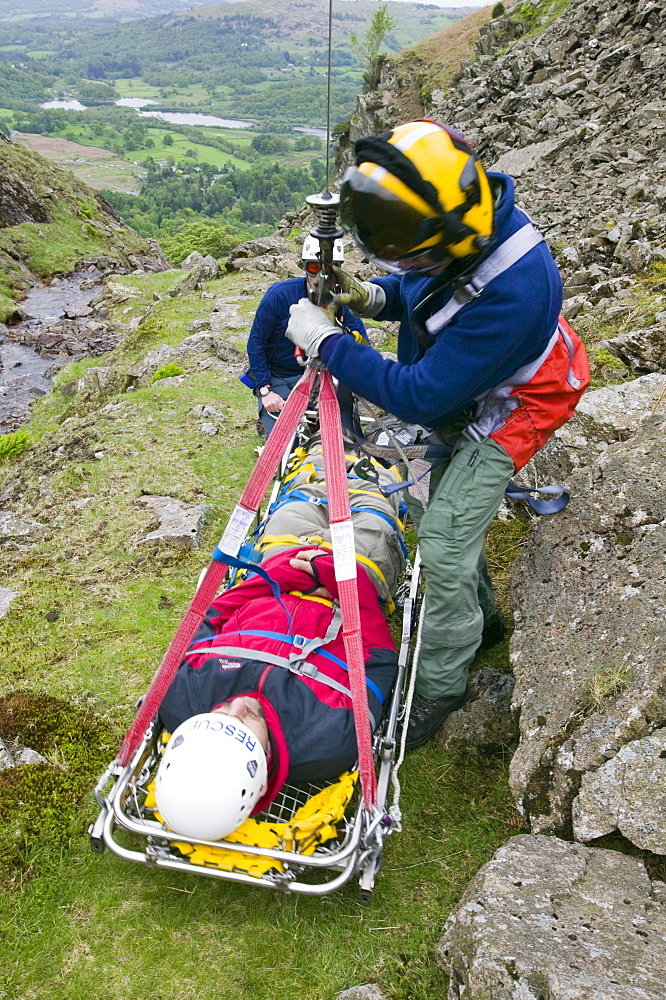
235	563
513	492
264	634
516	492
296	496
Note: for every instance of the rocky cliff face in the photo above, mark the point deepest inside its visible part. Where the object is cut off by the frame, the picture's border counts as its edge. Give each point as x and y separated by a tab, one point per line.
571	103
572	106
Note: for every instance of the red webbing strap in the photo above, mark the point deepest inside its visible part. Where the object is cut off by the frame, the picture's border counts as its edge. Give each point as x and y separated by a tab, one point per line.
233	536
344	556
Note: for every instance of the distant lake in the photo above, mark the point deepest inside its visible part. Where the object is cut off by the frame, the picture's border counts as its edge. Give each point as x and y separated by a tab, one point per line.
191	118
133	102
319	132
64	105
176	117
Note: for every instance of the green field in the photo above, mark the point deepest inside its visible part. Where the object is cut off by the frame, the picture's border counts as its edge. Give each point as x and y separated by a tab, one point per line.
178	152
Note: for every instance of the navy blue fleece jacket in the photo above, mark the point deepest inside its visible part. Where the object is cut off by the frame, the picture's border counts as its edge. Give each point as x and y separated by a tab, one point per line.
506	327
268	349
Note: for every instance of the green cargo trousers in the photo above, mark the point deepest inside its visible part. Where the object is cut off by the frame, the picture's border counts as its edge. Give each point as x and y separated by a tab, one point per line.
465	494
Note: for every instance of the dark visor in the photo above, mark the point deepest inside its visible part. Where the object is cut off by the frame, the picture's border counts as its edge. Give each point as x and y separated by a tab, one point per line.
380	221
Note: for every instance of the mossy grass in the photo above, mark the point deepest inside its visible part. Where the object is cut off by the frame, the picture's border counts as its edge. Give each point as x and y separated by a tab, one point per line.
42	802
608	680
97	926
14	444
167	371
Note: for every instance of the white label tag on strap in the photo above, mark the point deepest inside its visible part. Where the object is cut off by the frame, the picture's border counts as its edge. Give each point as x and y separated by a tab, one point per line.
344	552
236	530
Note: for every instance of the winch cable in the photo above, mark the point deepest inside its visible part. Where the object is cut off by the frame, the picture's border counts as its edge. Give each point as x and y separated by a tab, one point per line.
342	532
328	96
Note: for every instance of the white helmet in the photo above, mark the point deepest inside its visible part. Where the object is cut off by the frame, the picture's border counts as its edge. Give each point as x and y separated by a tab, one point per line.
211	776
311	250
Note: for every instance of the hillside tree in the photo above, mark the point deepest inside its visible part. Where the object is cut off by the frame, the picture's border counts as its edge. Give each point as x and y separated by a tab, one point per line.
367	47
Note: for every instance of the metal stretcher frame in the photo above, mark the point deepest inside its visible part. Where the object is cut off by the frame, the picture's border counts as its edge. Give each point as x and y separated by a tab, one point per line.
357	849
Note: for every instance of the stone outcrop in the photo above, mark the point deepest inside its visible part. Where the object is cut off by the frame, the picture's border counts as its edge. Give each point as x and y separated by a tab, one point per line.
201	269
577	114
271	254
589	650
642	349
549	920
488	719
573	107
178	524
627	793
369	991
603	417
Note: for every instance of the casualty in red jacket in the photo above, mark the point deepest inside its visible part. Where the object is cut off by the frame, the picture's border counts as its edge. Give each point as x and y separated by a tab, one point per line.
311	725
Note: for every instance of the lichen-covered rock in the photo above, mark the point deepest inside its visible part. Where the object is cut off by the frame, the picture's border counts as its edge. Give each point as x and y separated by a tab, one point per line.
642	349
603	416
201	271
15	755
142	372
627	793
550	920
6	598
113	294
487	719
179	523
590	612
191	261
12	526
96	381
209	413
369	991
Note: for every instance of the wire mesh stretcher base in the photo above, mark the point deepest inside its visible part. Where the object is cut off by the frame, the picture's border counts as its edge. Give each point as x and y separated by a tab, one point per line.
312	840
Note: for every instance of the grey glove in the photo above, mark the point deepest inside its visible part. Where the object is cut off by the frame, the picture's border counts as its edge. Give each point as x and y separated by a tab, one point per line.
309	326
362	297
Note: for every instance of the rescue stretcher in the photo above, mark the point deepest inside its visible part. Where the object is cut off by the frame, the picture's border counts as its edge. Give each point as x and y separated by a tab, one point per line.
313	839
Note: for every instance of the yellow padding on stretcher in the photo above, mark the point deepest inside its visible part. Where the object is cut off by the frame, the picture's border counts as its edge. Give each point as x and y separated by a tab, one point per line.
312	824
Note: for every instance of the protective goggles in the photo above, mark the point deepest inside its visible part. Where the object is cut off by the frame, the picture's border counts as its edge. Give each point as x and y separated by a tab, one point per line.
312	266
385	227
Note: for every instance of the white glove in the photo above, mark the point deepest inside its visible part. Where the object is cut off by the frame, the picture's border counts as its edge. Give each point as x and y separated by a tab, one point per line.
309	326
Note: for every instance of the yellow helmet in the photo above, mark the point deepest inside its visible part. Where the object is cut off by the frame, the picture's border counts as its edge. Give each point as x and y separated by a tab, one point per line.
417	192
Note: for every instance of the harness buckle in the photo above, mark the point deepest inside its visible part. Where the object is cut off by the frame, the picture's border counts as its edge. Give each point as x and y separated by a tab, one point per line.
300	641
465	293
303	668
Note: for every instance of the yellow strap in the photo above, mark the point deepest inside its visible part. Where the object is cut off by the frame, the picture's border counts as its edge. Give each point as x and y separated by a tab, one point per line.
272	541
302	467
311	597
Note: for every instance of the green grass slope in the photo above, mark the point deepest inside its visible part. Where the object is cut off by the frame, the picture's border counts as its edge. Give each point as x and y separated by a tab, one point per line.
80	644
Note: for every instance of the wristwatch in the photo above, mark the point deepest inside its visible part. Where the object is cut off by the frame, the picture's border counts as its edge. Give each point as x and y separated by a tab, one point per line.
264	390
